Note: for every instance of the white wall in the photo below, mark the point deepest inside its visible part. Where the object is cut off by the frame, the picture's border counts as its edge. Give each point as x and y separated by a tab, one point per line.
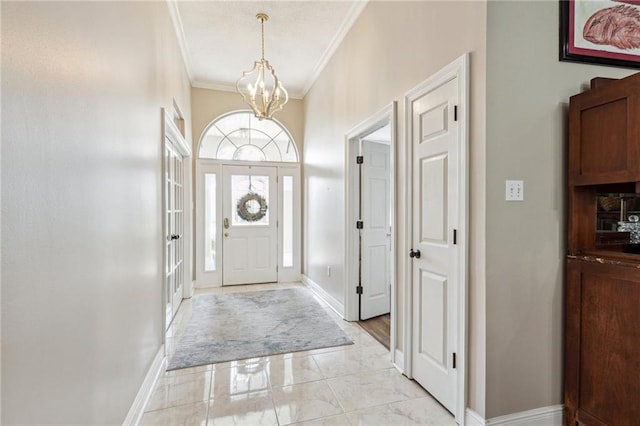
392	47
82	88
528	92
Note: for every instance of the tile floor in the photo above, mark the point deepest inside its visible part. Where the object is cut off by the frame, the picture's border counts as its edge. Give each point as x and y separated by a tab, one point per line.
346	385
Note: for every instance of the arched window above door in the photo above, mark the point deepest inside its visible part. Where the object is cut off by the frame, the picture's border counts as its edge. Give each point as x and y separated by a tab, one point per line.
241	136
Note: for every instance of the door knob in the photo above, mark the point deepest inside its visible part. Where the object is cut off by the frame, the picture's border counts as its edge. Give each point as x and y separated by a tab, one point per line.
415	254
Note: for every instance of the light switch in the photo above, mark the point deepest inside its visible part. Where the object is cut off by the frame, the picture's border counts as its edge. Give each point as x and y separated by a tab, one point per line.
515	190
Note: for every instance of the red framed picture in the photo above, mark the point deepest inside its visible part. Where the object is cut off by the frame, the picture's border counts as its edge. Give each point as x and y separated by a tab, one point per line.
601	32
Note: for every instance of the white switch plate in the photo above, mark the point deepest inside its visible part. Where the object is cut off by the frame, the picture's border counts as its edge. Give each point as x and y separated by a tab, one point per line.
328	271
515	190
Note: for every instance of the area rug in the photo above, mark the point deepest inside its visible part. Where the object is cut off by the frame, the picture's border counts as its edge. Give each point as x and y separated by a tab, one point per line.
238	326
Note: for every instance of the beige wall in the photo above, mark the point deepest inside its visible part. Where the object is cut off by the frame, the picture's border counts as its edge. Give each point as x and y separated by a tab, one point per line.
392	47
207	105
82	88
528	91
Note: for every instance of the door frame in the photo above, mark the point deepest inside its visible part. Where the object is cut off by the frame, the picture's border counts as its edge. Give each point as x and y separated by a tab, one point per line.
458	68
205	165
172	135
385	116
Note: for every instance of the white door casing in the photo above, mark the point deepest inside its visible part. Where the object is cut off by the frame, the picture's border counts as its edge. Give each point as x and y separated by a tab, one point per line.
376	232
437	121
386	116
249	248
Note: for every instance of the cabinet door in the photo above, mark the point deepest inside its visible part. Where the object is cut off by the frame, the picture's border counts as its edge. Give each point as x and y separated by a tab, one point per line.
602	363
604	141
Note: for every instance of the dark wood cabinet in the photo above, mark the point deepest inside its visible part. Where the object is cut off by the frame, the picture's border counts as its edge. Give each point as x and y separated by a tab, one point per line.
602	294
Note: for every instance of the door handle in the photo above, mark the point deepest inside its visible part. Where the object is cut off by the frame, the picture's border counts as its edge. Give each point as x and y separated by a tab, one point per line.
226	223
415	254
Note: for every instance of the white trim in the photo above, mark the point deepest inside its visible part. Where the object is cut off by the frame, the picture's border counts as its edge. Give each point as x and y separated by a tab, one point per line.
179	29
385	116
548	416
459	69
172	133
399	360
221	87
331	301
471	418
352	15
146	389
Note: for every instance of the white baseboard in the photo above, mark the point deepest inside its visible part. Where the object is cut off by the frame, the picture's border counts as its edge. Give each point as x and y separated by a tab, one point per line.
544	416
471	418
333	303
399	360
144	393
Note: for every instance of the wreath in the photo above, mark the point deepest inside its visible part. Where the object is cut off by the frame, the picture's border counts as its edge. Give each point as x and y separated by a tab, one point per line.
252	207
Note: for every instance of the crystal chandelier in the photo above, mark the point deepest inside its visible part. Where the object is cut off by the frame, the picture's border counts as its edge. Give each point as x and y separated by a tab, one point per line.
260	87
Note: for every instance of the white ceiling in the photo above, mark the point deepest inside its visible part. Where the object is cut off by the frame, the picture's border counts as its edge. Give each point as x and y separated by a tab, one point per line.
221	39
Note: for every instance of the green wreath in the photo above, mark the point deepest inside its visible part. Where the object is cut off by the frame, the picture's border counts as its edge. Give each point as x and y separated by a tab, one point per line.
247	208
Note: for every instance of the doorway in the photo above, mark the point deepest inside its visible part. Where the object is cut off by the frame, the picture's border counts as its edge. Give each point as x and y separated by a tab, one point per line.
175	216
248	204
371	237
436	309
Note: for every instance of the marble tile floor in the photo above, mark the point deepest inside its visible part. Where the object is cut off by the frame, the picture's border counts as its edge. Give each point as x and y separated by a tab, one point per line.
345	385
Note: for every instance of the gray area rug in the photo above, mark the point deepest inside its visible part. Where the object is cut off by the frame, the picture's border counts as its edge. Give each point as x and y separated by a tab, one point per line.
236	326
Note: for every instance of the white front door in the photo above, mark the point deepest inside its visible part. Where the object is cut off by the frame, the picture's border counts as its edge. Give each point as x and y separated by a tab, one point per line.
174	244
436	150
249	222
376	232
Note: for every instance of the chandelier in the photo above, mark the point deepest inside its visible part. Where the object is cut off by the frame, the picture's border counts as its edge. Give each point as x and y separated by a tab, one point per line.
260	87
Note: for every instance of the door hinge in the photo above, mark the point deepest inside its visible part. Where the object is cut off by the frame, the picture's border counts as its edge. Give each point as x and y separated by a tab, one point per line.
455	236
359	159
454	360
359	224
359	289
455	113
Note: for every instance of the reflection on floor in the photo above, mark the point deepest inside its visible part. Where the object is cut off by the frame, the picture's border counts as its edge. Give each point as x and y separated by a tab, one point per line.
345	385
379	328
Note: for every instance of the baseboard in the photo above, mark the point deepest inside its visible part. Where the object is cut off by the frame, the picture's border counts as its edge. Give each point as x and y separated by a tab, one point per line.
398	361
471	418
333	303
144	393
544	416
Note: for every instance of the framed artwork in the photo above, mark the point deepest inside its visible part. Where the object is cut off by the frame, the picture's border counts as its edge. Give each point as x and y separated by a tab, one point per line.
603	32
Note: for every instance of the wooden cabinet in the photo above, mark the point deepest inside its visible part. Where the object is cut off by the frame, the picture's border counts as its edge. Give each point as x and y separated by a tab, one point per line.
602	318
604	134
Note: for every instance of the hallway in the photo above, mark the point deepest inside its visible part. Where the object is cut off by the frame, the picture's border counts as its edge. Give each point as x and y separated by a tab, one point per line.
345	385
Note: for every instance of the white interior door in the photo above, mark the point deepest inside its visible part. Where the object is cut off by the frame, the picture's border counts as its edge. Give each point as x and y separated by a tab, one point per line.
376	232
436	150
249	221
174	220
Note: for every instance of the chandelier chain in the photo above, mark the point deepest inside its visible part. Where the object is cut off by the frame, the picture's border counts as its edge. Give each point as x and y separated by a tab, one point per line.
262	25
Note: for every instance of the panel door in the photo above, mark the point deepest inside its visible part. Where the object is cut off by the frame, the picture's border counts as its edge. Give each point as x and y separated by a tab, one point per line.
376	234
249	221
174	246
435	144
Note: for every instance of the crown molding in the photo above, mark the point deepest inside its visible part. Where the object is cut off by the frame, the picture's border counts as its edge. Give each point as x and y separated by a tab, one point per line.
354	12
172	5
227	88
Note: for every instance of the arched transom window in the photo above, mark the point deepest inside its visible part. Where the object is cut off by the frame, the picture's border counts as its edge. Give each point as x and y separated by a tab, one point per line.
241	136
